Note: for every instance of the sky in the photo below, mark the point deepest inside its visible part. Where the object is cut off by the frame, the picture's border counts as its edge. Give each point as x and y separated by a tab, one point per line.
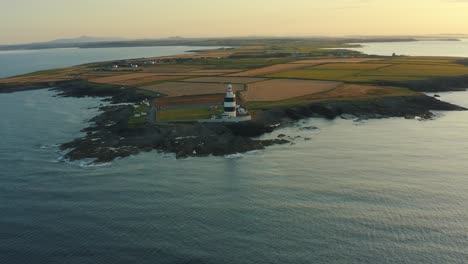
25	21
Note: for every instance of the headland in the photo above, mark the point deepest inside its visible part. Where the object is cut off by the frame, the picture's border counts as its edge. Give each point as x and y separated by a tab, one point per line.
158	103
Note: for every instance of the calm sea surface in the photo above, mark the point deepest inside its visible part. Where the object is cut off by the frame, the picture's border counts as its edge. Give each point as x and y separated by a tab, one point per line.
417	48
25	61
376	191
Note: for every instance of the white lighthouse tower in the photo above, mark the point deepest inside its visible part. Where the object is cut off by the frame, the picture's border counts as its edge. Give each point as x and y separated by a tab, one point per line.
230	103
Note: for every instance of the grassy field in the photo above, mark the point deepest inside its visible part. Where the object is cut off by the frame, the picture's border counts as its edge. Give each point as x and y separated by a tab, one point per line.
187	114
181	101
122	77
270	69
283	89
389	70
174	89
224	79
335	60
242	64
139	81
342	92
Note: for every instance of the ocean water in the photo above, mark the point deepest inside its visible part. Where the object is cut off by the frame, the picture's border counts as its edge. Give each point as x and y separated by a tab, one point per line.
417	48
373	191
18	62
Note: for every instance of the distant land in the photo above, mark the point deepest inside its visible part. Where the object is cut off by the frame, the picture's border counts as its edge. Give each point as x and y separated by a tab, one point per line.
85	39
110	42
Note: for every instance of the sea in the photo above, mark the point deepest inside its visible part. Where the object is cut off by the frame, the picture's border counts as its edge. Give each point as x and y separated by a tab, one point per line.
350	191
16	62
417	48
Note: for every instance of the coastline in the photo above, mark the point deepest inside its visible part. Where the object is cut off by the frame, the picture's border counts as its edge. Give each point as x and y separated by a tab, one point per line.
111	136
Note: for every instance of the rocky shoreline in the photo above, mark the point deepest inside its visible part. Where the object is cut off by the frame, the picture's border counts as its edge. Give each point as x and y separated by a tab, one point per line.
110	136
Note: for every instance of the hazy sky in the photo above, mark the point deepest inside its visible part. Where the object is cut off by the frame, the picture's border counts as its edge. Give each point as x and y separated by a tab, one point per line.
39	20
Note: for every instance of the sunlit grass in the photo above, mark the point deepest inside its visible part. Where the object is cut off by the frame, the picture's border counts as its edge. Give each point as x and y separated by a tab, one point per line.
187	114
398	69
347	92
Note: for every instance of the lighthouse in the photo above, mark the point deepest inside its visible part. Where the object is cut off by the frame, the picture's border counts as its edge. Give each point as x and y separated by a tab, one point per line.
230	103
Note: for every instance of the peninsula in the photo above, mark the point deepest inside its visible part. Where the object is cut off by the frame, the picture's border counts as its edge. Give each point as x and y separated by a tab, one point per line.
157	103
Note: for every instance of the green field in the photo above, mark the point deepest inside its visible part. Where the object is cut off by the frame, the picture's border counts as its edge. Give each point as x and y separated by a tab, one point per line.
187	114
229	63
399	69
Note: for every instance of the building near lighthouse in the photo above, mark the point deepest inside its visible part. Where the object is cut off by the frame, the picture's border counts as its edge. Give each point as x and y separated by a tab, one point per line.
233	112
225	108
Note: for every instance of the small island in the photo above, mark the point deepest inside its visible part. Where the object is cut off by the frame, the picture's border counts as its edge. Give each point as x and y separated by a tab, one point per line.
218	102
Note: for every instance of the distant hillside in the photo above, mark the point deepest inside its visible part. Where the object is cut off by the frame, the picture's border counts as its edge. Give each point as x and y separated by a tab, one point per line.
89	42
85	39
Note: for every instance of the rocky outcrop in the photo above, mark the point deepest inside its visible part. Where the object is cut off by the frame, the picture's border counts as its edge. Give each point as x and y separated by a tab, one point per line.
111	137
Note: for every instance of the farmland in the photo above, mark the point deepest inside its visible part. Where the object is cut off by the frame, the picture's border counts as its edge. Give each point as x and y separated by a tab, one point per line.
336	60
174	89
341	92
141	80
182	101
282	89
388	70
187	114
264	74
222	79
270	69
118	78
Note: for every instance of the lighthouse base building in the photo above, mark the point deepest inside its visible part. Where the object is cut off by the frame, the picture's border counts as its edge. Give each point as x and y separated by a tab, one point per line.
232	111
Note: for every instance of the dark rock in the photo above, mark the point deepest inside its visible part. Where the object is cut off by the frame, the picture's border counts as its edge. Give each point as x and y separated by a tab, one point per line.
309	128
105	142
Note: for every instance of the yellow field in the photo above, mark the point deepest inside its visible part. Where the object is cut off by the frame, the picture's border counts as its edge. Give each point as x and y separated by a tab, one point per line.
172	68
120	78
36	79
270	69
342	75
173	89
369	72
332	60
348	66
222	79
148	80
341	92
220	71
189	73
282	89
